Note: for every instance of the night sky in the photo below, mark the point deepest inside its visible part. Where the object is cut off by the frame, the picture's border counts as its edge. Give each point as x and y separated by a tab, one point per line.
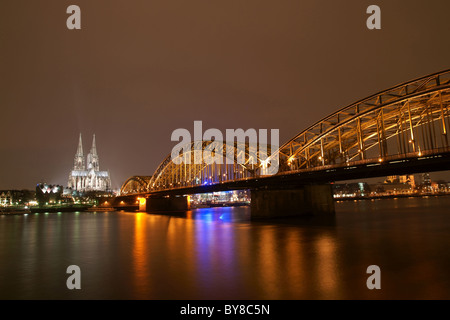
139	69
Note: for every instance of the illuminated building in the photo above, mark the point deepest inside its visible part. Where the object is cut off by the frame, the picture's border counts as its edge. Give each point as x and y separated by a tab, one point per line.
426	180
48	194
405	179
6	198
16	197
408	179
86	175
392	179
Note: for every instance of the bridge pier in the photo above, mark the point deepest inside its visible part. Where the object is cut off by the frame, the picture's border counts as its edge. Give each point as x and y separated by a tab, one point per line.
309	201
165	204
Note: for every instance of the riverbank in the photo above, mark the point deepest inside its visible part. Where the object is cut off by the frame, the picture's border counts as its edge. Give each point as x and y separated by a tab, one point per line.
62	208
390	196
10	211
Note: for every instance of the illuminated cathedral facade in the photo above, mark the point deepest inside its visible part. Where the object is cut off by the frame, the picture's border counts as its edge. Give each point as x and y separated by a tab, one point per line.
86	174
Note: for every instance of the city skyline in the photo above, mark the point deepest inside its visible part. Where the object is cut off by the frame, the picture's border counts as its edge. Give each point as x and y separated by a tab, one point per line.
132	81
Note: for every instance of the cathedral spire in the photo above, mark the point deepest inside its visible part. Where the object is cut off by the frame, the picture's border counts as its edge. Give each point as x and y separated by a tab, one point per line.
78	163
80	147
94	148
92	158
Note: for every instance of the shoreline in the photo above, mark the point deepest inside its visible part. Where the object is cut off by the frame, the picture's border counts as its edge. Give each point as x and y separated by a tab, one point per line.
21	211
391	196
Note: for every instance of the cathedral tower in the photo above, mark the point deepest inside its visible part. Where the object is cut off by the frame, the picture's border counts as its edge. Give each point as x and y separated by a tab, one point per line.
92	158
84	179
78	162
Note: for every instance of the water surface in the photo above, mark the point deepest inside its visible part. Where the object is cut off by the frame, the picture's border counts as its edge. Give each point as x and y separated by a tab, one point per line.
218	253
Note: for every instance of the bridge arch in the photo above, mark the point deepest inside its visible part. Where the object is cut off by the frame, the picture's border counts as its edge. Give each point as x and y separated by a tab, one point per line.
169	175
407	120
135	184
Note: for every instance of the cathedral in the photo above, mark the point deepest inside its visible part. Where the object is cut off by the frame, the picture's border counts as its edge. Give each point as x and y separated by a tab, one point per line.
88	178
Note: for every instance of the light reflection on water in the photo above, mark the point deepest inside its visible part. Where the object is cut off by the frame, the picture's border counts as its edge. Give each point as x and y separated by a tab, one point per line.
218	253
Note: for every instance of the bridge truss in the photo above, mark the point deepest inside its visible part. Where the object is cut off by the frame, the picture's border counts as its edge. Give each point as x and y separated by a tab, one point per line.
135	184
408	120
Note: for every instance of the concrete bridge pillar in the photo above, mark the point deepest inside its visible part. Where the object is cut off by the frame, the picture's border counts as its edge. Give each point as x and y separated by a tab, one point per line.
307	201
166	204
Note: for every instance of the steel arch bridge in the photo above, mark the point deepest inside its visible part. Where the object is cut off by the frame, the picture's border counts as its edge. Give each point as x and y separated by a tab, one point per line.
410	120
237	161
135	184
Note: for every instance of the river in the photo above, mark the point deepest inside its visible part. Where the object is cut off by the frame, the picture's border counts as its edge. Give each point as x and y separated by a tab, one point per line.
219	253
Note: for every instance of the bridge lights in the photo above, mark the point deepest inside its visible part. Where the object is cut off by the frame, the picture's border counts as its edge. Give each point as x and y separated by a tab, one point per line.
290	160
380	160
264	163
322	159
